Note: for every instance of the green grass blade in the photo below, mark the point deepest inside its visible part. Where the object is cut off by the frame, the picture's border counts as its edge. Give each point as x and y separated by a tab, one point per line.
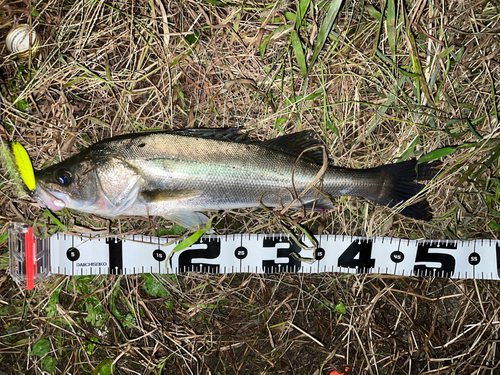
56	221
194	237
380	20
417	67
409	150
299	53
324	30
493	95
216	2
391	27
437	154
301	12
473	130
265	41
374	13
190	240
263	45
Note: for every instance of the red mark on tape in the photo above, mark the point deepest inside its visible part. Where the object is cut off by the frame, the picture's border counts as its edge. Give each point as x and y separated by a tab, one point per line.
30	259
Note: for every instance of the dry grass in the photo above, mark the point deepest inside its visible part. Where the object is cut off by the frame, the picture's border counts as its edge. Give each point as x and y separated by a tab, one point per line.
419	81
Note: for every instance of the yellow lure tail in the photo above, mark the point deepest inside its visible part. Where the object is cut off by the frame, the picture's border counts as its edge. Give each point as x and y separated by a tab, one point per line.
24	164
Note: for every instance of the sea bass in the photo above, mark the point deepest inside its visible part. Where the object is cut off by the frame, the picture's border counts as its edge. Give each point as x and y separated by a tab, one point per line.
179	174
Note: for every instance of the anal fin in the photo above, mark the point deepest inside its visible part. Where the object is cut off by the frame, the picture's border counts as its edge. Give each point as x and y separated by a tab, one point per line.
188	219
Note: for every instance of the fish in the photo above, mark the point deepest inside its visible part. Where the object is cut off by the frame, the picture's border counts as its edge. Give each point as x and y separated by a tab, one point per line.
180	174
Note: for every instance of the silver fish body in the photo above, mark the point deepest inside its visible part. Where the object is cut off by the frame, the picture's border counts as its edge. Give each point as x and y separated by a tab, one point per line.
179	174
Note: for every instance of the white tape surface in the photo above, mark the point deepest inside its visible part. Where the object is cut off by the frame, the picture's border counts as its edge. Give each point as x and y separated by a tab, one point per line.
33	259
71	255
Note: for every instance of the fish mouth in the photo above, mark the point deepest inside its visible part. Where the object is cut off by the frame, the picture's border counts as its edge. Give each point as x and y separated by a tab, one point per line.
47	200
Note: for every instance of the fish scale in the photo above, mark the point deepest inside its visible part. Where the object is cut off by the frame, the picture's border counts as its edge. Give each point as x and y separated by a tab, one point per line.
242	172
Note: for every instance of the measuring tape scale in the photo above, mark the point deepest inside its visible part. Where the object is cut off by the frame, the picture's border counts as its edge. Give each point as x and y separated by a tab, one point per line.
32	259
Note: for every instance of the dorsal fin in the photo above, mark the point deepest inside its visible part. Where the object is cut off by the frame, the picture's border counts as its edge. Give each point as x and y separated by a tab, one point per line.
226	134
295	143
292	144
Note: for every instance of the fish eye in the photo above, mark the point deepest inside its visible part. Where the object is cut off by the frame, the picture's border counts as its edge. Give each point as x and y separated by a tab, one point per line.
63	177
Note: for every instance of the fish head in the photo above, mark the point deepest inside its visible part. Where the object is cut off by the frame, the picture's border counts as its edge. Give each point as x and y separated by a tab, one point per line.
94	182
72	183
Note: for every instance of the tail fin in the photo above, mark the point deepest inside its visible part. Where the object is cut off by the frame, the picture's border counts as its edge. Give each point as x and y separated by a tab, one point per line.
400	184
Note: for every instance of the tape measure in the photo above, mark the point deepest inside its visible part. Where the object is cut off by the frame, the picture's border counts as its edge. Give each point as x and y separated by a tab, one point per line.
33	259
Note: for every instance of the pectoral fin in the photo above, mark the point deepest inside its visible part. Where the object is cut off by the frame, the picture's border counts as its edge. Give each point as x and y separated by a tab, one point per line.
189	220
160	195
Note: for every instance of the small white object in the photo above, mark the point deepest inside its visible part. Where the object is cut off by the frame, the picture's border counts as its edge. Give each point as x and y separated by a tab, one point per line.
18	40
